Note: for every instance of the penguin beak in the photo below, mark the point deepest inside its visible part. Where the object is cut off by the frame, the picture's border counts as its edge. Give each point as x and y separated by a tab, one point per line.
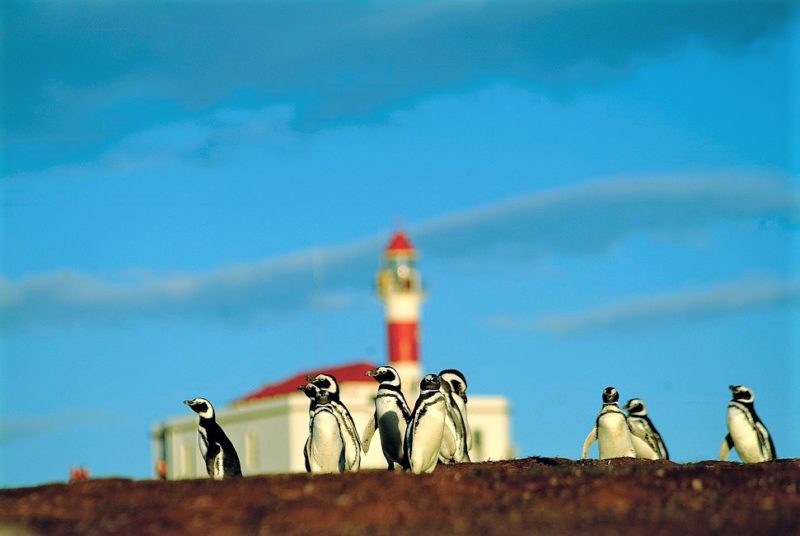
732	388
308	378
371	373
188	403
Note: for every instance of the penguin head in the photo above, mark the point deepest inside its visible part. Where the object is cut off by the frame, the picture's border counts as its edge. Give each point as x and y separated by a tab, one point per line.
325	382
317	395
201	406
309	389
742	394
385	374
445	387
430	382
635	406
610	395
457	382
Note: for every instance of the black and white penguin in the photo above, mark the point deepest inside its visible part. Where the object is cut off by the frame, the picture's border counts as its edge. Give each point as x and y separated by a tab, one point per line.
610	430
324	448
647	441
746	433
352	444
426	427
217	450
390	418
457	435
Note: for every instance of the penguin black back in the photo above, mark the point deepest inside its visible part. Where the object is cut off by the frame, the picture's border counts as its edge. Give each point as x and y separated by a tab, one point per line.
218	451
391	417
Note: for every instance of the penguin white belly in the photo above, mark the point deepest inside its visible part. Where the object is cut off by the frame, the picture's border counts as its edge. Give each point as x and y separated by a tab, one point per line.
427	439
218	466
745	437
613	436
325	448
643	449
392	428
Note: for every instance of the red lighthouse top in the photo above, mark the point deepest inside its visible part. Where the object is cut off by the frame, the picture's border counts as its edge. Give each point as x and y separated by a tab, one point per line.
399	244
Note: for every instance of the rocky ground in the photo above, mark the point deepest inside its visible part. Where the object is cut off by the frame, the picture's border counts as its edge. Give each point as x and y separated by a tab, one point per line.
528	496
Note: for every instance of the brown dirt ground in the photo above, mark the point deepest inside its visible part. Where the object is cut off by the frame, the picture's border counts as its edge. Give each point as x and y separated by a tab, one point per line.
528	496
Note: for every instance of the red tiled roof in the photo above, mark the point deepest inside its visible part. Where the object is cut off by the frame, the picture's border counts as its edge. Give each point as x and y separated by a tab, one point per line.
398	243
353	372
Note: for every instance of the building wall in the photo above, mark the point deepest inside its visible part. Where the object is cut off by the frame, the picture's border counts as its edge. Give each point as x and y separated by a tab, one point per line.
490	424
269	435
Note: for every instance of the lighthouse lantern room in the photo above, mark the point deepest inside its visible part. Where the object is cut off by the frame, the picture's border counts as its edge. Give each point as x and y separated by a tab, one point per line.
400	288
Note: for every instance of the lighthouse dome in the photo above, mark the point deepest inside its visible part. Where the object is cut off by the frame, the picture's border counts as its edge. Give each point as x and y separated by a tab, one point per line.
400	245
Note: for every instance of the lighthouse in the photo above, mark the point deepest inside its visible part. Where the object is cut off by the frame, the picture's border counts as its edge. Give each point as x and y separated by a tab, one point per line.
400	289
269	425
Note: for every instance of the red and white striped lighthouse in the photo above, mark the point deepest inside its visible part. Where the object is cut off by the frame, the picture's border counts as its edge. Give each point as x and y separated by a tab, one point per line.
400	289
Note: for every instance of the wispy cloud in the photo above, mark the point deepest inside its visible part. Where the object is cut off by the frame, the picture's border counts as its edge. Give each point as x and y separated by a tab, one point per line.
658	309
590	217
202	137
333	62
241	293
577	220
205	138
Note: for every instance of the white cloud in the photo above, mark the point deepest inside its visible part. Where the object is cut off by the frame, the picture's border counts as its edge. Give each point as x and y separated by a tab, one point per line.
583	219
731	297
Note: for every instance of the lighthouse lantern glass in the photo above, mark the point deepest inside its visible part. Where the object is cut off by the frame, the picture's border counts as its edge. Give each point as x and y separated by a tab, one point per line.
399	274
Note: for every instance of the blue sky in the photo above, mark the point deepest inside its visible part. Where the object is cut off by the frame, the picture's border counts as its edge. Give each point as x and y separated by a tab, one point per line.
195	197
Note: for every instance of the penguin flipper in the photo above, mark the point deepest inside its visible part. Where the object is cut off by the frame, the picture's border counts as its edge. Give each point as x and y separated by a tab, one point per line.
767	446
587	443
305	455
772	447
725	448
369	431
463	450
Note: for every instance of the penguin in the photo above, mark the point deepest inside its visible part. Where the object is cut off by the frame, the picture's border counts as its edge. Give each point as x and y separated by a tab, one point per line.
426	427
324	448
221	459
391	417
352	444
457	436
746	433
611	430
647	441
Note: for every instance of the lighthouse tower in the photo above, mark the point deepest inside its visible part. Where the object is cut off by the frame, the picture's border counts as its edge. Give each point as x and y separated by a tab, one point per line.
400	289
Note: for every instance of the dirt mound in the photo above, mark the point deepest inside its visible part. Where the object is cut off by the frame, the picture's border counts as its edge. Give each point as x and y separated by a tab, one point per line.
532	495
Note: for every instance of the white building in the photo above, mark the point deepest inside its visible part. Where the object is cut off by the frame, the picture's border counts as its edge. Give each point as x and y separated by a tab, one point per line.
269	426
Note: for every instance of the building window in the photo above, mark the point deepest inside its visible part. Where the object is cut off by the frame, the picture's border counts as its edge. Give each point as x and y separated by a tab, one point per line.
184	455
250	450
477	445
